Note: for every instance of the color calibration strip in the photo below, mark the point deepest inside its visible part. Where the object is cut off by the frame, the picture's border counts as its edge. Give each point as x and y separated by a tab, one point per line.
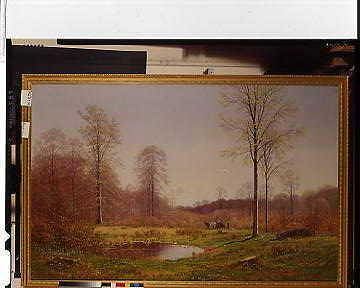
87	284
130	284
93	284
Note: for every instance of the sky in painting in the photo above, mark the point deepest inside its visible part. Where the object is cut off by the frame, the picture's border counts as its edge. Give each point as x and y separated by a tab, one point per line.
183	120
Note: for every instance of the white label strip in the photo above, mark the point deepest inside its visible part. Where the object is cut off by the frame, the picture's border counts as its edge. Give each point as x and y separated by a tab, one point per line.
25	129
26	97
13	208
2	30
13	154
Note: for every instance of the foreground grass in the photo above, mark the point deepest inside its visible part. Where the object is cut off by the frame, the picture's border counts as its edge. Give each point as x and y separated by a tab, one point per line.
309	258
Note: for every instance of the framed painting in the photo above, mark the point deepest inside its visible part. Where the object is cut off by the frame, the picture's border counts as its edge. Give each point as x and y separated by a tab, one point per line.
179	181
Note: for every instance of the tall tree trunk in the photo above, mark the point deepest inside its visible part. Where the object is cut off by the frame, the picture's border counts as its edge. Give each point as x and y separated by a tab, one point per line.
148	200
100	206
250	203
99	194
73	175
255	227
99	197
266	204
52	165
152	197
73	196
291	200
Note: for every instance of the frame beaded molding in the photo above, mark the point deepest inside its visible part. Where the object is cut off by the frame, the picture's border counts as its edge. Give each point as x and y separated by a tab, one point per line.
28	80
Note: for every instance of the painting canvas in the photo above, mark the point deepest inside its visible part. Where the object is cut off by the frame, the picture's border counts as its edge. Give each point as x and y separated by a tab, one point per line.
181	180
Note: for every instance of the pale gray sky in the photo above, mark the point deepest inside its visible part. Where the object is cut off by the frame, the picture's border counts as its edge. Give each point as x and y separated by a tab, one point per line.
183	120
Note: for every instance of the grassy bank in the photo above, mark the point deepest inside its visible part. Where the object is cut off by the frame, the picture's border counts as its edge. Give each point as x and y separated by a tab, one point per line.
309	258
186	236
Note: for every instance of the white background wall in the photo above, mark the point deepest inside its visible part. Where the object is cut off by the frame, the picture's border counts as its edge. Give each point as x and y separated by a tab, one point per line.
181	19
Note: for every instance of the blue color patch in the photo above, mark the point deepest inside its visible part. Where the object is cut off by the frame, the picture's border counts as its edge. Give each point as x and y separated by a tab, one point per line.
136	284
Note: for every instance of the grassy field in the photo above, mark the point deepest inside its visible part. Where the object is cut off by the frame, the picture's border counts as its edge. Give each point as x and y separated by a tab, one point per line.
308	258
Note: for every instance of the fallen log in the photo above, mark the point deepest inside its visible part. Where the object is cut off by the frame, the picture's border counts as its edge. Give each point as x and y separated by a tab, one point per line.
299	232
250	261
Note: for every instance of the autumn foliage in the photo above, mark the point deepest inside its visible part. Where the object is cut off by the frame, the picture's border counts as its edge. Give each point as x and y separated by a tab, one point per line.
74	187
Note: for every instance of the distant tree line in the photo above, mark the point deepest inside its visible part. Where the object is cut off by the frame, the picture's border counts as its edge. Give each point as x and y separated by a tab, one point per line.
314	210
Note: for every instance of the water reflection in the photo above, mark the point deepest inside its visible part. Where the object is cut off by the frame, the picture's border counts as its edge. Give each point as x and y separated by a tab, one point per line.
174	252
154	250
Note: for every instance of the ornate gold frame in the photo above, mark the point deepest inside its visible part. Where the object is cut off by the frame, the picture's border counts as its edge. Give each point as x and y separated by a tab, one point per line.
340	81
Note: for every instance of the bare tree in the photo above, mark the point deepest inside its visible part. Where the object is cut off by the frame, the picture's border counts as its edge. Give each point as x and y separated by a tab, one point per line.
255	111
151	169
75	163
291	182
221	193
51	146
272	160
269	168
101	135
49	155
246	190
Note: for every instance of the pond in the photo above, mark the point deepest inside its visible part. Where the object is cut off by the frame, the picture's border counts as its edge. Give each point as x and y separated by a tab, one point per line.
159	251
174	252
